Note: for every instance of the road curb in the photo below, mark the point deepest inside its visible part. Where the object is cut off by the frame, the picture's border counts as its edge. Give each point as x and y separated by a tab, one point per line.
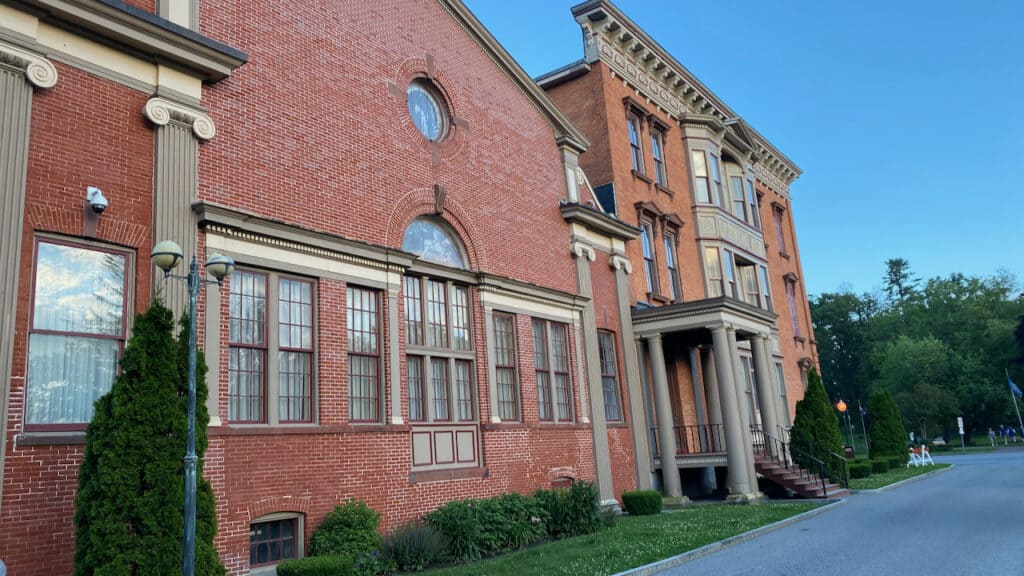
907	481
685	557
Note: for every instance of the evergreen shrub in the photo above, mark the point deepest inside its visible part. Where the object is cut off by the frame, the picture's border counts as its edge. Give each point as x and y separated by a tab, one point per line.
642	502
879	466
897	461
376	563
348	530
317	566
815	431
888	435
860	469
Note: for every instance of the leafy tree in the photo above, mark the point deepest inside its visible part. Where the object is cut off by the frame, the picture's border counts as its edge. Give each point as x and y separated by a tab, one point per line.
918	375
887	434
815	429
129	508
841	331
900	283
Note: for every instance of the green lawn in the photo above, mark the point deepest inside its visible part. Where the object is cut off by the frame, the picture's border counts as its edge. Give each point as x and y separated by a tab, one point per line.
892	476
632	542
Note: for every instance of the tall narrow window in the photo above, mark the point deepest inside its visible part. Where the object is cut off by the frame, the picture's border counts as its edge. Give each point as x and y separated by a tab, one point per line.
554	386
791	299
748	275
505	367
363	355
647	245
752	208
700	175
765	289
79	302
739	204
713	270
779	236
247	347
439	348
657	151
716	177
673	270
730	274
780	379
295	350
636	152
609	376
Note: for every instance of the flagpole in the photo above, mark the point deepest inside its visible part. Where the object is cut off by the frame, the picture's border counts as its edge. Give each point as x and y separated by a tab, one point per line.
1012	395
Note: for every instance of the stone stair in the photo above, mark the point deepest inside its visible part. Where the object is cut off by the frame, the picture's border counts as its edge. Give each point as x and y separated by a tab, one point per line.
798	480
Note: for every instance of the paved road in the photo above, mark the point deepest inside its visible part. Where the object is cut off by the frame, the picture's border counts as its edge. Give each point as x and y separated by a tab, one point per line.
965	521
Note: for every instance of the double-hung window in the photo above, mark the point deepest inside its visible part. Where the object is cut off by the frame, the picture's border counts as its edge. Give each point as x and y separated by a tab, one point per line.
647	245
700	175
752	208
658	153
363	331
779	235
730	273
505	367
713	271
791	300
738	195
765	290
439	351
609	376
79	305
635	150
551	361
270	348
675	287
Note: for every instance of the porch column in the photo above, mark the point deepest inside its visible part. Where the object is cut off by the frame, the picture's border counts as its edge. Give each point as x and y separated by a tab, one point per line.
634	387
745	409
663	406
20	73
584	255
739	479
707	361
765	390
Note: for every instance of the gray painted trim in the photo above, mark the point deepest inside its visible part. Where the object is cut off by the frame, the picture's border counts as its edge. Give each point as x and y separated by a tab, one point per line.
15	114
211	350
394	292
599	221
492	369
175	180
113	20
634	387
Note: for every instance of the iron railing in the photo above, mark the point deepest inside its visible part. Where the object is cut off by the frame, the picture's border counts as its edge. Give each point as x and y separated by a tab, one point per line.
812	469
694	439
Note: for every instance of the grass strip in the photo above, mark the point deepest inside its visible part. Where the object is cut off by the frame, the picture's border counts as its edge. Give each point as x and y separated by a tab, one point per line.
893	476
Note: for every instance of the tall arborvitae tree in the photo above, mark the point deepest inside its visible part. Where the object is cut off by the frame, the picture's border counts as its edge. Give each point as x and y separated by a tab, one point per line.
815	429
129	509
888	435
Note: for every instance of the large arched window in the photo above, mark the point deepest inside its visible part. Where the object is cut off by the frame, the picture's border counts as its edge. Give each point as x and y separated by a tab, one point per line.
431	240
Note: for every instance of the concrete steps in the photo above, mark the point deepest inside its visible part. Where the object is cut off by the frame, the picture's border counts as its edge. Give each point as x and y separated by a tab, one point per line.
798	480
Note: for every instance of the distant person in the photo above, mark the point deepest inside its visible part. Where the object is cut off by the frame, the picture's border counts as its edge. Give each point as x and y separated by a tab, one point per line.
992	436
1002	433
1013	435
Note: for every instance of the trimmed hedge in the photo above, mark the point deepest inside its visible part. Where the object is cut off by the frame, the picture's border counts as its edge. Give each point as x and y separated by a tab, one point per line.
897	461
642	502
348	530
860	469
879	466
316	566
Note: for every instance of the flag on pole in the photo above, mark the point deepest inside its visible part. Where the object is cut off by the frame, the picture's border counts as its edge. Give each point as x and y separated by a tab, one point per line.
1013	387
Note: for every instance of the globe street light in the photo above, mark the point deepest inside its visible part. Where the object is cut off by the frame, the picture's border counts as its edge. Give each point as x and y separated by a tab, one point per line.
166	255
841	406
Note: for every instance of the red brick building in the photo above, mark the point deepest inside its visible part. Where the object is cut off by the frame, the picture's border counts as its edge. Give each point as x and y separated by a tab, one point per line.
430	300
412	317
718	303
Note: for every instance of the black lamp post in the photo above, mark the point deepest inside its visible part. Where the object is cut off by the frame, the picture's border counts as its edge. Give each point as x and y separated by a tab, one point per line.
841	406
166	255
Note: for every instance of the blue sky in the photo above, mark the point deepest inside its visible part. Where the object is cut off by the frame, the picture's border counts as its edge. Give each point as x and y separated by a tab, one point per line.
907	117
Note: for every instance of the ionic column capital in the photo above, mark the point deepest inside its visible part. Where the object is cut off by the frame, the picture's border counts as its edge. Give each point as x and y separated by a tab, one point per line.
620	262
583	250
39	71
161	111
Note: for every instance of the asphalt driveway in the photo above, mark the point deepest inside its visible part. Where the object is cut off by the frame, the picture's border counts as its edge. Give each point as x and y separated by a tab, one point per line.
968	521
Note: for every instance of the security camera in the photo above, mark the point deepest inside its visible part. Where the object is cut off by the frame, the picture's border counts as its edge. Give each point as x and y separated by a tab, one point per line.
94	196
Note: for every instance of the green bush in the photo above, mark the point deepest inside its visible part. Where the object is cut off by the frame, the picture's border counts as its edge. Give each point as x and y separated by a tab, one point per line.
509	521
642	502
815	431
879	466
888	436
897	461
348	530
376	563
571	511
416	546
459	522
316	566
860	469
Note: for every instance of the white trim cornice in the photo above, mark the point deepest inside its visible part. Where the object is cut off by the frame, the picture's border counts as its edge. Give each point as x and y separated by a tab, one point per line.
160	111
39	71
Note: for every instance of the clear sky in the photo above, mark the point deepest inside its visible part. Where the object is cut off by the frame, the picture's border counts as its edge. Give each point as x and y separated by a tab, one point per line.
906	116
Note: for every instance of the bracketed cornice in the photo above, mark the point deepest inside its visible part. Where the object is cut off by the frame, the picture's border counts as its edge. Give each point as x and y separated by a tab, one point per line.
613	39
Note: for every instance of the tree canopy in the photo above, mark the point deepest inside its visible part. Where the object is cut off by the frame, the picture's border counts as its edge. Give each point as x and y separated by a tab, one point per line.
939	347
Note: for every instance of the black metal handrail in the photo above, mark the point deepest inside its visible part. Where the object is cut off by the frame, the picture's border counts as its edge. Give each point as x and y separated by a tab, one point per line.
782	453
693	439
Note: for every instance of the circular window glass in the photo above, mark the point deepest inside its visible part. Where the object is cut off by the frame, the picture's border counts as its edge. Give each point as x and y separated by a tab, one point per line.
426	111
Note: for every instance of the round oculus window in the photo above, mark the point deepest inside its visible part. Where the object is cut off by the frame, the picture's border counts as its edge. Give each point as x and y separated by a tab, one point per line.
426	110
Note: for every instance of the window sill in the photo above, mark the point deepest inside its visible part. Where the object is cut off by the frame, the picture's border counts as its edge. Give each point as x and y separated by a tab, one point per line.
799	340
664	189
450	474
784	254
658	298
510	425
641	176
70	438
265	430
619	425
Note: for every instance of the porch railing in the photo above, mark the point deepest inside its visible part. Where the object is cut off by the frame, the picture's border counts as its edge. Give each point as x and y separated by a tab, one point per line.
784	454
694	439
